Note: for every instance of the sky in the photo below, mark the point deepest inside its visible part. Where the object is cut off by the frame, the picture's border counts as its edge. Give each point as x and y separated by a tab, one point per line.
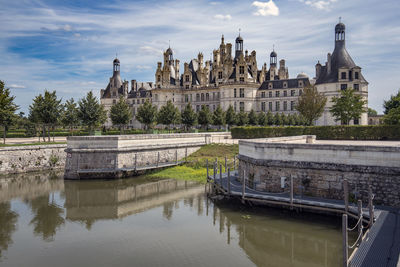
69	46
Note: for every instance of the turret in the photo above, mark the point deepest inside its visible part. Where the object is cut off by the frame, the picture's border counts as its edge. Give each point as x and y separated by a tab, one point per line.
116	66
238	47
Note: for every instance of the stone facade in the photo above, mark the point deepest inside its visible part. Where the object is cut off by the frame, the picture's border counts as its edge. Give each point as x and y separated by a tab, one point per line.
238	81
31	158
319	173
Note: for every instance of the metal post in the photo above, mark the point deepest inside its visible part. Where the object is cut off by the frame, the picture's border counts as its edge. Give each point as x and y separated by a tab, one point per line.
291	192
176	156
229	182
243	184
158	157
370	207
346	194
345	236
360	215
185	154
220	175
207	169
225	164
135	161
234	162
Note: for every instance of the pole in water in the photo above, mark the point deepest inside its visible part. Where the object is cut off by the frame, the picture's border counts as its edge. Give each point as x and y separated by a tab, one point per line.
229	182
207	169
225	164
291	192
360	215
176	156
370	207
243	184
220	175
345	236
234	162
158	158
135	161
346	194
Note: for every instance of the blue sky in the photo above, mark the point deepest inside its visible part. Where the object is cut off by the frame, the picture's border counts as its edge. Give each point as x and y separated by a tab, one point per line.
69	47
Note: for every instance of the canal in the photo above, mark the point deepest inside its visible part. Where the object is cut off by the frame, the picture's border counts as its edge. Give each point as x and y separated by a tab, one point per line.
46	221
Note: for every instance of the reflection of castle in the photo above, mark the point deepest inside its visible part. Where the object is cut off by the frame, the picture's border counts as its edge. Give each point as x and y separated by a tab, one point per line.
237	81
92	200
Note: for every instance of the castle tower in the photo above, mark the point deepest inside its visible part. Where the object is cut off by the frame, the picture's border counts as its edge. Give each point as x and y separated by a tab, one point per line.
238	47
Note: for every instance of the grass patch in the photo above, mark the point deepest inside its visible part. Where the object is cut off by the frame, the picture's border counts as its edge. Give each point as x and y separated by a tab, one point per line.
195	168
34	144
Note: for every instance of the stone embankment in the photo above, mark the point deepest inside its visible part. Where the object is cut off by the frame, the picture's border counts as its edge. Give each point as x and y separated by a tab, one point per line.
31	158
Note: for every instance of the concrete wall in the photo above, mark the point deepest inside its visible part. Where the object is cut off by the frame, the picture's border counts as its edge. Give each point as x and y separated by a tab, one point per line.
31	158
319	169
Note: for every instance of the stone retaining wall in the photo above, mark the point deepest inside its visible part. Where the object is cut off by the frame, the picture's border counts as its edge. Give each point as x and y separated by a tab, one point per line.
31	158
319	170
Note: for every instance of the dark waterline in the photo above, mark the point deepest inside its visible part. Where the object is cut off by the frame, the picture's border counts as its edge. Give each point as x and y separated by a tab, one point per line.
46	221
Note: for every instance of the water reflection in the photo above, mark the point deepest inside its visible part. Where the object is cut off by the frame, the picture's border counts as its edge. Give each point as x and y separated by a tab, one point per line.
8	222
168	221
47	217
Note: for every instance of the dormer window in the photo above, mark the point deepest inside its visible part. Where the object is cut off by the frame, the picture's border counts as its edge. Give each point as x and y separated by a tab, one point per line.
343	75
300	83
241	79
220	75
158	78
241	69
356	75
285	85
270	86
187	78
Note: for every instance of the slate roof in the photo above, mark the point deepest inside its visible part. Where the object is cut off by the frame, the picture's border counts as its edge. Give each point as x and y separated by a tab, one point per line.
278	84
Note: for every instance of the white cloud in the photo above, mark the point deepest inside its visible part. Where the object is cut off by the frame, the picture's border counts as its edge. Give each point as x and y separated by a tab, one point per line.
77	35
67	28
265	8
17	86
142	67
150	50
319	4
223	17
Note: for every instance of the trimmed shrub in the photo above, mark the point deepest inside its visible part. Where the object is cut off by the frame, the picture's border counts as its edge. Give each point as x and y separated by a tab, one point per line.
368	132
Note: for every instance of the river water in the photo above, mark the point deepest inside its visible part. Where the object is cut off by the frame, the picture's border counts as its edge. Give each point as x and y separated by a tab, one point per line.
46	221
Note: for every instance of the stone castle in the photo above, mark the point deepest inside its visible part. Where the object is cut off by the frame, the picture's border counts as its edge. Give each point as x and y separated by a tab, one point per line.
237	81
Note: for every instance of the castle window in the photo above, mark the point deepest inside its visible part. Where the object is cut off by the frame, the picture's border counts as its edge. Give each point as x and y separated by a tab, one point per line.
202	97
187	78
270	106
234	106
343	75
138	101
114	101
285	93
241	92
207	96
213	107
213	96
158	78
285	85
343	86
114	94
197	97
356	87
277	93
218	95
270	86
263	106
262	94
197	108
234	92
241	104
270	94
220	75
300	83
356	122
356	75
277	106
186	98
187	86
241	69
142	101
292	92
241	79
284	105
292	105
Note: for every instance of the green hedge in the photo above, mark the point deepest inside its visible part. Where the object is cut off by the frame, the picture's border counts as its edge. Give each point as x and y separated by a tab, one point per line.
370	132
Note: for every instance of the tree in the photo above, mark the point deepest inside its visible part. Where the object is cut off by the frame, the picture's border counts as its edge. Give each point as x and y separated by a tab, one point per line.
91	112
69	116
7	109
262	119
253	117
393	102
348	106
277	119
168	114
230	116
393	116
147	114
311	104
46	109
242	118
204	116
291	120
218	118
372	112
270	118
120	113
284	119
188	116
